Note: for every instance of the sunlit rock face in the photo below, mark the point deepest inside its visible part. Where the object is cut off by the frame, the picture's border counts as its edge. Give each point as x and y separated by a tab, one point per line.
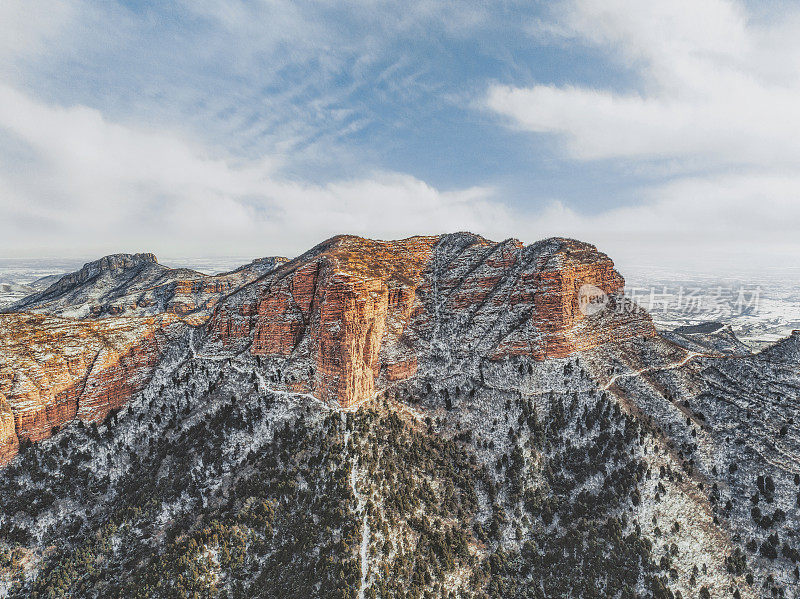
342	322
54	370
91	340
353	314
9	443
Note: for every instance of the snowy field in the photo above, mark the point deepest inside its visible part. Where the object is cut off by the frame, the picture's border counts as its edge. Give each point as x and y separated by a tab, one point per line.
761	307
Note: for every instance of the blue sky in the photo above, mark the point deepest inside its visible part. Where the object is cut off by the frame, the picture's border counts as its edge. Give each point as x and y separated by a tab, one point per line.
665	133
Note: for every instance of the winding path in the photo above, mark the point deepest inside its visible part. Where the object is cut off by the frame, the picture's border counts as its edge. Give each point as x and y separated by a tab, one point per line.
689	357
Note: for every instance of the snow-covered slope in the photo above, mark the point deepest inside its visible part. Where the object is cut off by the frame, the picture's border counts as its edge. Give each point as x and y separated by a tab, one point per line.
137	285
512	454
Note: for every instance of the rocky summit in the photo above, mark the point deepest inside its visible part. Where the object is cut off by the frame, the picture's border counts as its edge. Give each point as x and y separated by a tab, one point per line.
441	416
353	315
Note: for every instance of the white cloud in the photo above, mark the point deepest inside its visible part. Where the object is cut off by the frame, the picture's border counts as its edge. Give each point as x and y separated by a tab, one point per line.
715	93
731	223
708	90
101	187
729	124
75	180
711	110
25	26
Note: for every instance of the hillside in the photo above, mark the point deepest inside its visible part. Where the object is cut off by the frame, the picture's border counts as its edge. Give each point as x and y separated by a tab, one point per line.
432	417
137	285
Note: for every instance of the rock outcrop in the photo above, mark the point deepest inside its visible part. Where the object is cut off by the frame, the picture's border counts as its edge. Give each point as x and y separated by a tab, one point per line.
543	429
710	338
137	285
353	314
345	320
9	443
54	370
122	311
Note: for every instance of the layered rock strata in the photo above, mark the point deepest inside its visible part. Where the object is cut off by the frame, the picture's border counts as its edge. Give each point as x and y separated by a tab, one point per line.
342	322
55	370
353	313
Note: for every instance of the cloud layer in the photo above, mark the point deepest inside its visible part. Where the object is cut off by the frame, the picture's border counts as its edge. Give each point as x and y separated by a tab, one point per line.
712	106
713	87
263	127
196	138
97	180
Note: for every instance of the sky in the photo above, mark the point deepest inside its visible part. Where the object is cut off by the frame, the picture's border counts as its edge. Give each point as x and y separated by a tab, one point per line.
666	133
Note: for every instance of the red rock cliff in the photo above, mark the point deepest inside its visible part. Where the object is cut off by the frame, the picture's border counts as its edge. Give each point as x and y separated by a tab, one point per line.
9	443
355	311
54	370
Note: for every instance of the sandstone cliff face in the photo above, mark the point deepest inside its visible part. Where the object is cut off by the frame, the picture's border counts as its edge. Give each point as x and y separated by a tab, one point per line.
344	321
334	309
353	314
9	443
54	370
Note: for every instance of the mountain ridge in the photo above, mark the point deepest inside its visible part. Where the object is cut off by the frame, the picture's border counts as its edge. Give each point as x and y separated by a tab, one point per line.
440	415
137	285
372	298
